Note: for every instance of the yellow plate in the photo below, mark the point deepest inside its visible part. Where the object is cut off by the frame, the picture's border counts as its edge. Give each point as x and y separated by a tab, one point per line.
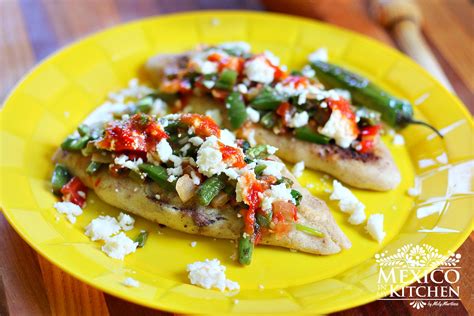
50	102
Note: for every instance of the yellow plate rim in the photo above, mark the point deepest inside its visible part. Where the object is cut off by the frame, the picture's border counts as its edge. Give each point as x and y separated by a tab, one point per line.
462	236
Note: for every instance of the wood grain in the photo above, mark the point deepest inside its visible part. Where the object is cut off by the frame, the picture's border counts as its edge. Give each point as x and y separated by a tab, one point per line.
32	29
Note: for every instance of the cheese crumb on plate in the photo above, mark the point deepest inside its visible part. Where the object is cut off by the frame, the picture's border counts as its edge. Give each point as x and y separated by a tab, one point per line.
210	274
70	209
131	282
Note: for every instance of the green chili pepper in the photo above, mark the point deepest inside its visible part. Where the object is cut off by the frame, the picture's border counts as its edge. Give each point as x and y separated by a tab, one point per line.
287	181
396	112
209	190
268	99
264	220
226	80
157	174
268	120
309	230
245	250
257	152
141	238
166	97
259	169
297	196
60	177
236	110
74	143
93	167
84	130
307	134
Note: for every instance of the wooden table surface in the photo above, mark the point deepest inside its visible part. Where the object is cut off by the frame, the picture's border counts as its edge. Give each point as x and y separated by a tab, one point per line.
32	29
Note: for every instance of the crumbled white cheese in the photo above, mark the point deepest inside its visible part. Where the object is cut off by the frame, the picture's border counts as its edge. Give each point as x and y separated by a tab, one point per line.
340	128
232	173
251	138
308	72
320	54
298	169
375	227
102	227
271	149
193	244
125	221
70	209
254	115
242	186
276	193
210	274
158	108
196	141
124	161
345	94
195	178
131	282
348	203
202	65
185	149
302	98
215	114
164	150
227	137
398	140
242	88
238	47
310	186
119	246
208	84
413	192
259	70
299	119
273	168
274	60
209	157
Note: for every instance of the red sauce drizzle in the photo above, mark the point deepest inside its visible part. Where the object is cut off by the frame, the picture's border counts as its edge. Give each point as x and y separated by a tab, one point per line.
232	156
139	133
368	135
70	192
204	126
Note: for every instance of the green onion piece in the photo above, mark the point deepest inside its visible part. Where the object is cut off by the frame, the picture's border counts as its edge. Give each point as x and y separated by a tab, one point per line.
259	169
136	176
73	143
309	230
157	174
236	110
166	97
268	120
145	104
226	80
209	190
297	196
257	152
287	181
60	177
93	167
141	238
245	250
306	134
268	99
84	130
264	220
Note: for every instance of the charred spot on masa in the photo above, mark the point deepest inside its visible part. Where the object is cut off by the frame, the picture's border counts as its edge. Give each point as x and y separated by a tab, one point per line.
348	153
200	218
